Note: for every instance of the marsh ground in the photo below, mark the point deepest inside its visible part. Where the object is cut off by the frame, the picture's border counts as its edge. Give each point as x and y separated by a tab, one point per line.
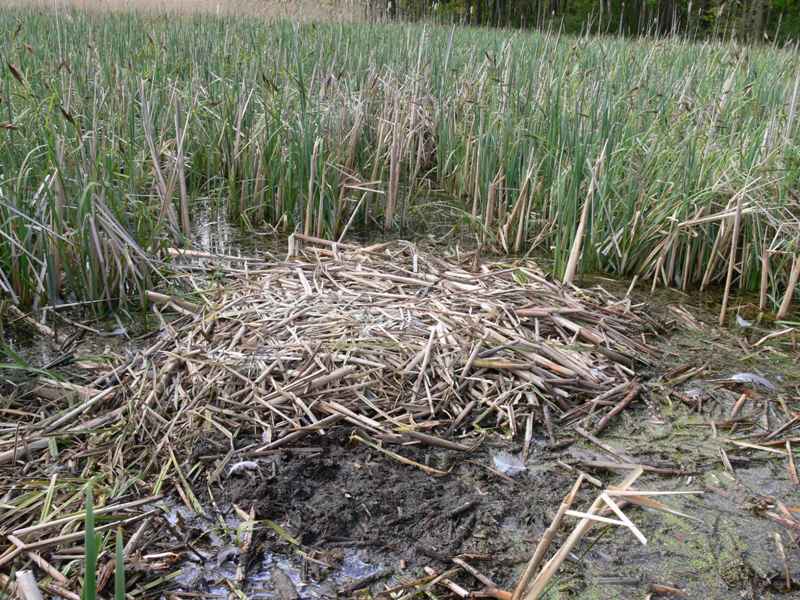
340	497
332	511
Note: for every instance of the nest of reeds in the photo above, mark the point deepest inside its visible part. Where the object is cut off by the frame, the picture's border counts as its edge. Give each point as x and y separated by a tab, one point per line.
399	343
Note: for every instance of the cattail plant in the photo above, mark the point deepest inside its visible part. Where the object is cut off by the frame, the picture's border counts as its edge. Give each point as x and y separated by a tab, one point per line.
116	128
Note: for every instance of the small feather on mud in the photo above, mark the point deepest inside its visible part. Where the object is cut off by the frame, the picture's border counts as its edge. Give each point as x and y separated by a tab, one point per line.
509	464
241	467
756	380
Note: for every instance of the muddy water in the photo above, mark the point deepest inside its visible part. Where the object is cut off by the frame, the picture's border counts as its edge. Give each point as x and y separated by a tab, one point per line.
222	561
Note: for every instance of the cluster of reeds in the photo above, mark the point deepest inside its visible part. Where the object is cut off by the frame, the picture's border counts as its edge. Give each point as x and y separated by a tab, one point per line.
115	126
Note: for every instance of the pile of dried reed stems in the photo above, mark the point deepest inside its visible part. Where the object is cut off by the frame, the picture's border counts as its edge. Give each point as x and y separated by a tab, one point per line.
387	338
402	345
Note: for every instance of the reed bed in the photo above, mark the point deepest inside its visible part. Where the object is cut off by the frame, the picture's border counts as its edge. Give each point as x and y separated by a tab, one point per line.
394	344
630	157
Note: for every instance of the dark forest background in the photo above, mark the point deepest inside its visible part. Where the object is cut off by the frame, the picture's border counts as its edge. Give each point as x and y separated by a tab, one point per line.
755	20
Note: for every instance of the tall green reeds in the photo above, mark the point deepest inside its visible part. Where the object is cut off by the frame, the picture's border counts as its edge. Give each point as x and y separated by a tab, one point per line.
115	127
92	548
89	590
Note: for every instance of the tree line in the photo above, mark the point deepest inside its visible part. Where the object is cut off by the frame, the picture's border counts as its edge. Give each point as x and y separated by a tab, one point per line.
754	20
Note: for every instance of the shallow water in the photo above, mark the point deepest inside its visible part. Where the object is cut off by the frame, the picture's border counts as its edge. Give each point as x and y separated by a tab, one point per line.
217	574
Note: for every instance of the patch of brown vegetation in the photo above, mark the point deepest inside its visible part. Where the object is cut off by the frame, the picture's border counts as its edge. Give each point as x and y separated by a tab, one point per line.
304	10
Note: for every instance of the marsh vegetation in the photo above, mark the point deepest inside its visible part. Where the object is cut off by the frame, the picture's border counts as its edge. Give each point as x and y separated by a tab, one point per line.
363	412
116	127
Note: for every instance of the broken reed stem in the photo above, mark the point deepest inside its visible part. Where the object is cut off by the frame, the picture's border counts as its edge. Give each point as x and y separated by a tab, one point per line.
731	260
764	287
791	467
165	193
618	408
401	459
580	530
475	573
790	287
547	538
180	166
31	322
445	581
395	152
312	176
575	252
782	554
98	511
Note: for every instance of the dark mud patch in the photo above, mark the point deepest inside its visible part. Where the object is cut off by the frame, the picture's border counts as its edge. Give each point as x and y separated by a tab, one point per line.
342	503
342	497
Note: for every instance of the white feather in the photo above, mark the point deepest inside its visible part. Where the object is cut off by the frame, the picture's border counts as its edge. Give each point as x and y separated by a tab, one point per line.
756	380
508	464
245	465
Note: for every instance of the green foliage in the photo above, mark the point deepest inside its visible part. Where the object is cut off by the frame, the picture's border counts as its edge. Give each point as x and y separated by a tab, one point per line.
90	550
333	127
119	568
754	19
